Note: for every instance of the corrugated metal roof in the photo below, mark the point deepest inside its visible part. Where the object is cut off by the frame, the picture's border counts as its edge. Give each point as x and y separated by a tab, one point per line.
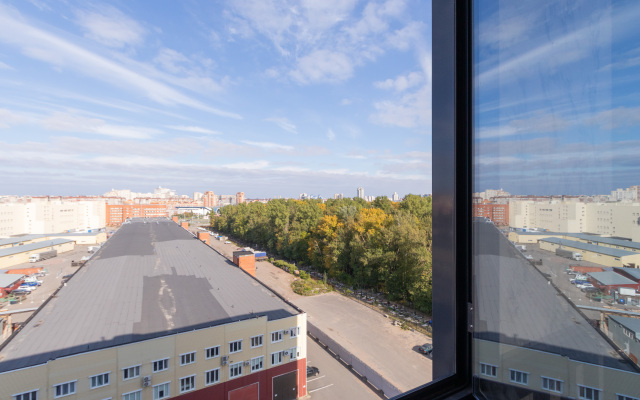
9	279
610	278
9	251
148	280
633	324
516	305
635	272
18	239
589	247
606	240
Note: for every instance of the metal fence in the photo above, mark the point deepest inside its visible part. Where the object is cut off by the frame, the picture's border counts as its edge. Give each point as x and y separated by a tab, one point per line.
373	377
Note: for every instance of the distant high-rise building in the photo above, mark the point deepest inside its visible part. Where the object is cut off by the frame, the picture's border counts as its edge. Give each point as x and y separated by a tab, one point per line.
395	196
338	196
239	197
361	193
210	199
197	196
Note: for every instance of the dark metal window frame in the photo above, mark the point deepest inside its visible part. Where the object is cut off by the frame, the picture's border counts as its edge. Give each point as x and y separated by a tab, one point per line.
452	189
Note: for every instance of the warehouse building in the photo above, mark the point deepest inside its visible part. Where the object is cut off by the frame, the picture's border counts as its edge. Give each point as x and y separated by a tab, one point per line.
157	314
609	281
10	256
625	333
607	256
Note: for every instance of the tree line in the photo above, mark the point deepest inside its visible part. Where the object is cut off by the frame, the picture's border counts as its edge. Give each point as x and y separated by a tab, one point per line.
381	245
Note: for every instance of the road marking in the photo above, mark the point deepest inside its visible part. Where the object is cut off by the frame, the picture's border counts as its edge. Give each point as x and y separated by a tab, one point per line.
311	380
324	387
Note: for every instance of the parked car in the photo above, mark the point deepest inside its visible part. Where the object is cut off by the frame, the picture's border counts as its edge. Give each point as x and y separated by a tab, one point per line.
584	285
426	349
312	371
27	288
19	292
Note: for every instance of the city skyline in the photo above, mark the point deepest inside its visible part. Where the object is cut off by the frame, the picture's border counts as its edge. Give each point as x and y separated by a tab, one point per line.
270	97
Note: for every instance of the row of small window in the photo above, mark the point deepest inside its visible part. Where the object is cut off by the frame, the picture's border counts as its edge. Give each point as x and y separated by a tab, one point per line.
550	384
161	391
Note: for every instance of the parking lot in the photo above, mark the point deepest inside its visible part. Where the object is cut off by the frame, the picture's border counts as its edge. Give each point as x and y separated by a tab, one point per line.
335	381
56	268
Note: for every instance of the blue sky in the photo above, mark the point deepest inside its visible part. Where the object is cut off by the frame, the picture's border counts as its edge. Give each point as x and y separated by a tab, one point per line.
273	98
558	96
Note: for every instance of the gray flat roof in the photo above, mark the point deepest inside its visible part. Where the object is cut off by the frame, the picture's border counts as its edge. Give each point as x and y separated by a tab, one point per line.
9	279
606	240
611	278
9	251
635	272
150	279
633	324
24	238
589	247
515	305
18	239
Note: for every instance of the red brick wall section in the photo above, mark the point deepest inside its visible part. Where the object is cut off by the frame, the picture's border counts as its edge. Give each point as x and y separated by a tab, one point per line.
175	219
204	236
263	379
185	225
248	264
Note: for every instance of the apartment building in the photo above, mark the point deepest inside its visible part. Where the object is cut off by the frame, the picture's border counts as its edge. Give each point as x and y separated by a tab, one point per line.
50	215
118	213
156	314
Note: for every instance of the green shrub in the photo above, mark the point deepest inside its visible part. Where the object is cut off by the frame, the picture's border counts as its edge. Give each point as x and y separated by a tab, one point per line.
304	275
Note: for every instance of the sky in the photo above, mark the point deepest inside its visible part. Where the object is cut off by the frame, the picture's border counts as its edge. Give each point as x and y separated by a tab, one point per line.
268	97
557	104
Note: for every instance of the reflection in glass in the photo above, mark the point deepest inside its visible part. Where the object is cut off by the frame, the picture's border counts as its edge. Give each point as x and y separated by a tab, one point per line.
556	229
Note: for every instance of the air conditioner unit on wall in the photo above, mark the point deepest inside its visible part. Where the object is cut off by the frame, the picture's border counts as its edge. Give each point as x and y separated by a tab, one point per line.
247	363
286	332
224	360
146	381
286	353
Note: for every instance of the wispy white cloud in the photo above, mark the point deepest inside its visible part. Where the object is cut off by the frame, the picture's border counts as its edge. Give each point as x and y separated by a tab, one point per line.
323	66
249	165
615	118
410	111
534	125
79	124
45	46
194	129
4	66
346	102
331	135
9	118
109	26
268	145
401	83
284	124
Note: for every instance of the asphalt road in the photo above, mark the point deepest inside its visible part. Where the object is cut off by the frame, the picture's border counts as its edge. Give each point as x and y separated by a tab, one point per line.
335	381
387	349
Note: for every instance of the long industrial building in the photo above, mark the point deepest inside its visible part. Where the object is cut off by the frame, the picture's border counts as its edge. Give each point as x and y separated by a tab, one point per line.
157	314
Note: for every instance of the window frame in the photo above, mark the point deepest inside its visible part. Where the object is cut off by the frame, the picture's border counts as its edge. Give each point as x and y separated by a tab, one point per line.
280	335
259	338
75	389
133	392
523	374
28	392
168	394
542	378
211	349
108	375
238	365
164	360
184	356
192	378
206	377
139	369
596	391
237	344
254	359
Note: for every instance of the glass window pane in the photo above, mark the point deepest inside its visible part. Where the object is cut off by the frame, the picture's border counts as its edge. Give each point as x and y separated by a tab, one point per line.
556	232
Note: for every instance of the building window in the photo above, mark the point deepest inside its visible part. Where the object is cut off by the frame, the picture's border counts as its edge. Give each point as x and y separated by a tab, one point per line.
188	358
211	377
130	372
235	370
235	346
99	380
588	393
161	365
293	353
276	336
257	363
64	389
32	395
256	341
137	395
161	391
295	331
552	385
488	370
276	358
187	383
623	397
212	352
518	377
